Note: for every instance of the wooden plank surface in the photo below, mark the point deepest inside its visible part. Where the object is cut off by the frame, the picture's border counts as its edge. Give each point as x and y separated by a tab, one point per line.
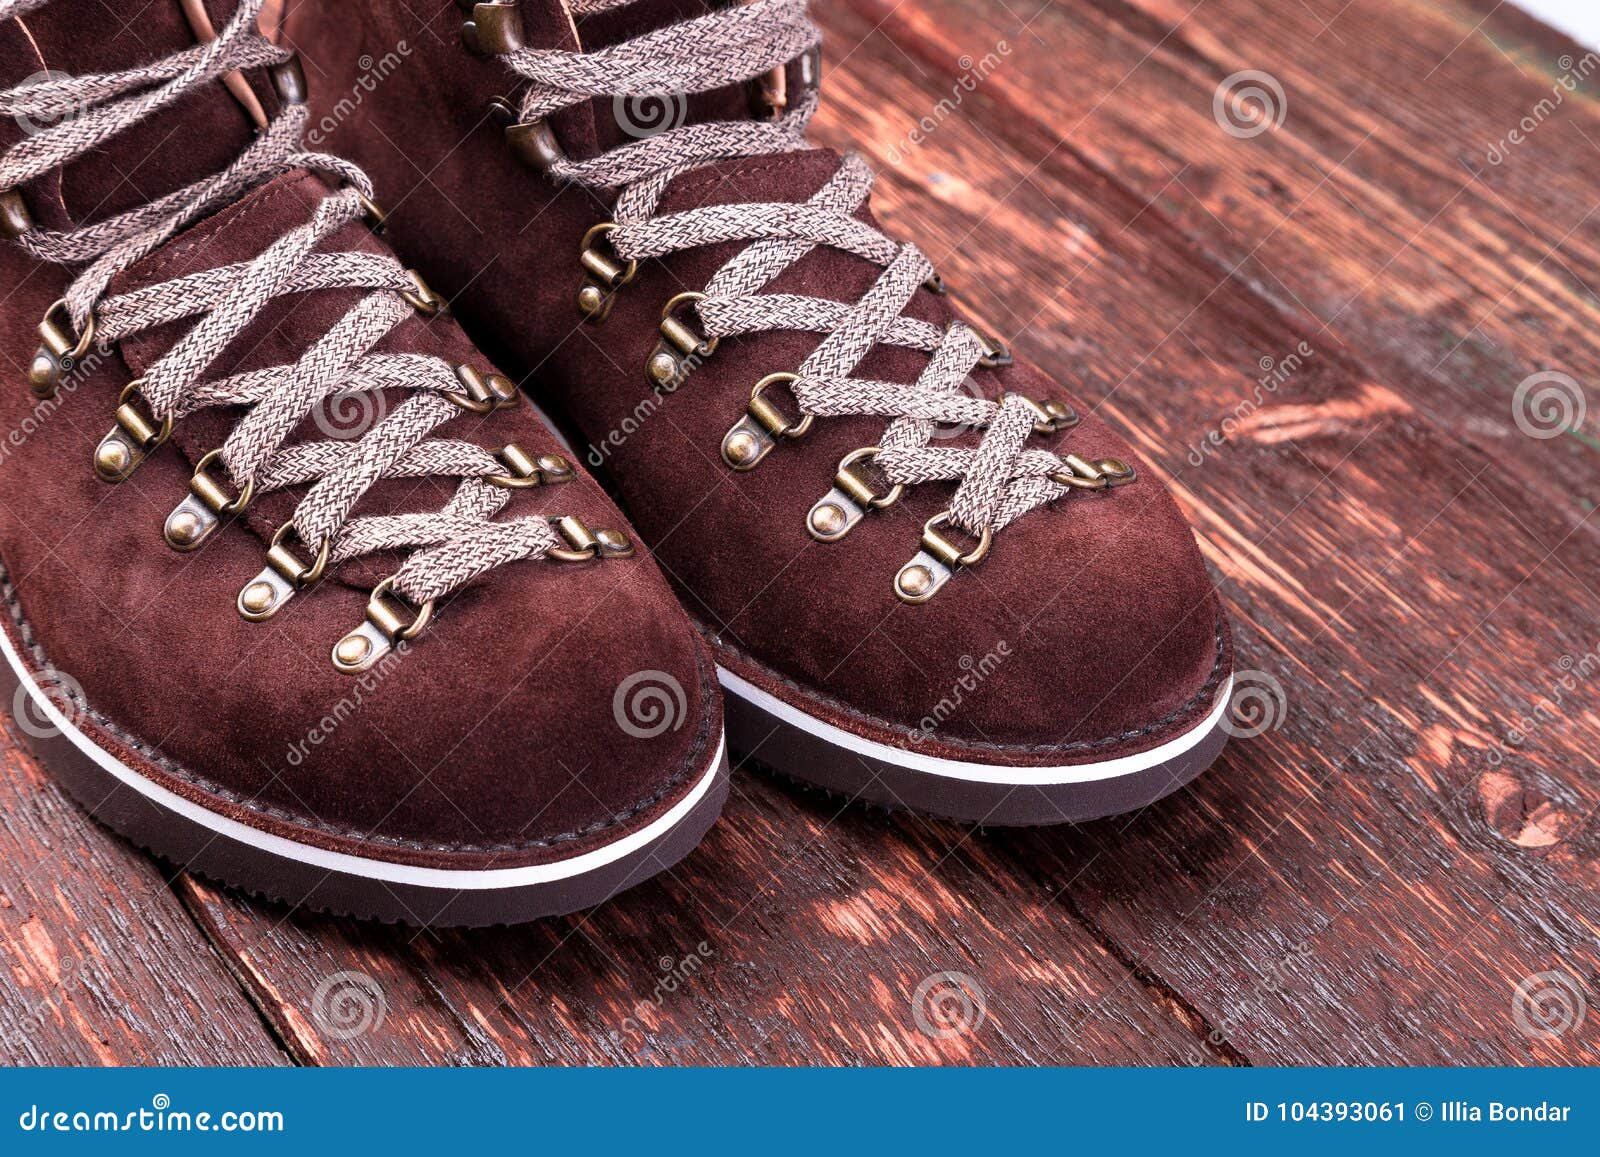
1370	879
1410	600
102	964
1352	886
799	931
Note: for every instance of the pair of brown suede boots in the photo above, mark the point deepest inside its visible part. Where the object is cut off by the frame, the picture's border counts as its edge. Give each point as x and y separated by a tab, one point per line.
302	592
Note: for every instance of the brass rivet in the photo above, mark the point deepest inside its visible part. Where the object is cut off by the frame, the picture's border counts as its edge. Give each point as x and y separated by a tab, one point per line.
614	542
42	370
553	465
663	367
111	459
257	598
353	649
742	447
590	299
827	519
916	580
183	528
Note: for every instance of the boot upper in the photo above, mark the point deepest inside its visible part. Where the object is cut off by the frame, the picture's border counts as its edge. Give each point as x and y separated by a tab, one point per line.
1098	603
507	733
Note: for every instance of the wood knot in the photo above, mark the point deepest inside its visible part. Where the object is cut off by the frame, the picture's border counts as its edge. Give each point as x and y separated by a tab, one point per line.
1520	815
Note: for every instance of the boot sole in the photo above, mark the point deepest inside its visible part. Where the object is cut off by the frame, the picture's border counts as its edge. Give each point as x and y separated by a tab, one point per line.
768	731
303	874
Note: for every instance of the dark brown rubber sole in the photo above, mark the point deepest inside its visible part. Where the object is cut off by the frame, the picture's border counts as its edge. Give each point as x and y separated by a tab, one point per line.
281	875
756	734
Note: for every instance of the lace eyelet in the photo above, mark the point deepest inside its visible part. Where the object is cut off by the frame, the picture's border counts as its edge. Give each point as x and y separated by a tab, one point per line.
753	436
1082	474
481	393
59	349
194	519
839	511
495	28
680	350
937	562
288	564
604	273
523	472
584	544
377	220
423	298
382	630
1054	415
996	354
532	142
283	576
15	219
133	439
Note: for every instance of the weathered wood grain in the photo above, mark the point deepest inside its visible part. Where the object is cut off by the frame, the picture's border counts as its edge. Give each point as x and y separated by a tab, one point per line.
101	963
1371	879
1371	893
1374	214
800	931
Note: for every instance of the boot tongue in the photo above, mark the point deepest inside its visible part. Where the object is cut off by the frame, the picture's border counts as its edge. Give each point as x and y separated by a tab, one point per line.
191	139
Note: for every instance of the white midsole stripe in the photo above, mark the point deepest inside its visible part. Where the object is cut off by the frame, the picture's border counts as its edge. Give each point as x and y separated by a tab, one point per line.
458	880
977	772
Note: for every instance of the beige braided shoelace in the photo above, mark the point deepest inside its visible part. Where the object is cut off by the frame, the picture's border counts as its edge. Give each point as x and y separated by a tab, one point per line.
447	549
1000	477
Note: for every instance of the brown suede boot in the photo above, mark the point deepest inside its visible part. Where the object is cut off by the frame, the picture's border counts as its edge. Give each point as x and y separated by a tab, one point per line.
396	656
929	575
